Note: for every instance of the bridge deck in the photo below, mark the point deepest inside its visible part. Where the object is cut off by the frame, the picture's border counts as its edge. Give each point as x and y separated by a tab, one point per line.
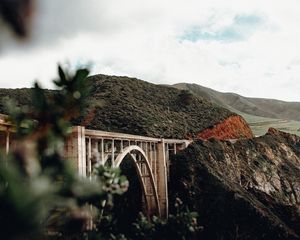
123	136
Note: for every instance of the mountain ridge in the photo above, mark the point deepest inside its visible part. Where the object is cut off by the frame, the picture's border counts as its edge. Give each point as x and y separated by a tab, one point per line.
130	105
260	113
261	106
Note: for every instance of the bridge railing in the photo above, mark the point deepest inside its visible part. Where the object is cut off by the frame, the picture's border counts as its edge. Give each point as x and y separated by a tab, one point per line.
104	146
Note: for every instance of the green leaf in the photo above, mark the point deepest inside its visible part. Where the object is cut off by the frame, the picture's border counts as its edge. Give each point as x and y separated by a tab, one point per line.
61	74
81	74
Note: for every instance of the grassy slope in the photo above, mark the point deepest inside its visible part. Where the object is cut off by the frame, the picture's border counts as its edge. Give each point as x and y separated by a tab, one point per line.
21	95
261	114
133	106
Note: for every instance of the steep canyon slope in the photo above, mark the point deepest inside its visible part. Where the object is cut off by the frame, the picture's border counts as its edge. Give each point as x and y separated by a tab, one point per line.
248	189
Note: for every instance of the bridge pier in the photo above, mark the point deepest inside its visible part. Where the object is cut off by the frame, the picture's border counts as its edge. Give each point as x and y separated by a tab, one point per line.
162	184
75	150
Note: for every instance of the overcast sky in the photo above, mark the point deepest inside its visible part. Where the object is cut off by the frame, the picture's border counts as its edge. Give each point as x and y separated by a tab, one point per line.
251	47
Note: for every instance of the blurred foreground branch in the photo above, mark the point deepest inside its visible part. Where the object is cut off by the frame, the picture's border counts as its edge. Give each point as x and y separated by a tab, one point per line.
18	15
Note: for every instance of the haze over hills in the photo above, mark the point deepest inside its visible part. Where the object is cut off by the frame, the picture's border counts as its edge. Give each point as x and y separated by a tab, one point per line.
259	113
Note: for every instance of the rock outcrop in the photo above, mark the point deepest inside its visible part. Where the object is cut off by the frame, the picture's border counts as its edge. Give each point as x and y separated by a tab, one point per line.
248	189
234	127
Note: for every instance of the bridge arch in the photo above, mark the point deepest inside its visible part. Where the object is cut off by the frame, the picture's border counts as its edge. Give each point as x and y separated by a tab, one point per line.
145	176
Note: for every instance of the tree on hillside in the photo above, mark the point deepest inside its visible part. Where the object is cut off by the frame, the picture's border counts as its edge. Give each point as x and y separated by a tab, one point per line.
185	97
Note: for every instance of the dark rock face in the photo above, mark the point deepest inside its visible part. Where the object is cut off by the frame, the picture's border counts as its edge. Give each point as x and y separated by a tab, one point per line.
248	189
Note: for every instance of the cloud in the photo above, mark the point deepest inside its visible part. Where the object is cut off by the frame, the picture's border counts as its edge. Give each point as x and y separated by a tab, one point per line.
248	47
241	28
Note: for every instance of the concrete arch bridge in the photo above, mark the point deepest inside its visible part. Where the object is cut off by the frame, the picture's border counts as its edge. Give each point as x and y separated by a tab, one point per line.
150	156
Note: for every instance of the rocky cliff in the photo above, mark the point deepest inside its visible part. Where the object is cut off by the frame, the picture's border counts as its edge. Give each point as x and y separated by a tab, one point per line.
234	127
249	189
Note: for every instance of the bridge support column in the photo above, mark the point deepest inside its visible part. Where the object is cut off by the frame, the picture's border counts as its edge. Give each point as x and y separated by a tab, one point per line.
161	181
75	149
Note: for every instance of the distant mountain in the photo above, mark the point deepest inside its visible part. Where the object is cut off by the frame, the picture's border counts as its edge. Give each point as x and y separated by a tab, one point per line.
260	113
269	108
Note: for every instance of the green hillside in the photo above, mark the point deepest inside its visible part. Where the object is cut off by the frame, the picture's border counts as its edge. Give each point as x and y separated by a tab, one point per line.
261	114
134	106
21	95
